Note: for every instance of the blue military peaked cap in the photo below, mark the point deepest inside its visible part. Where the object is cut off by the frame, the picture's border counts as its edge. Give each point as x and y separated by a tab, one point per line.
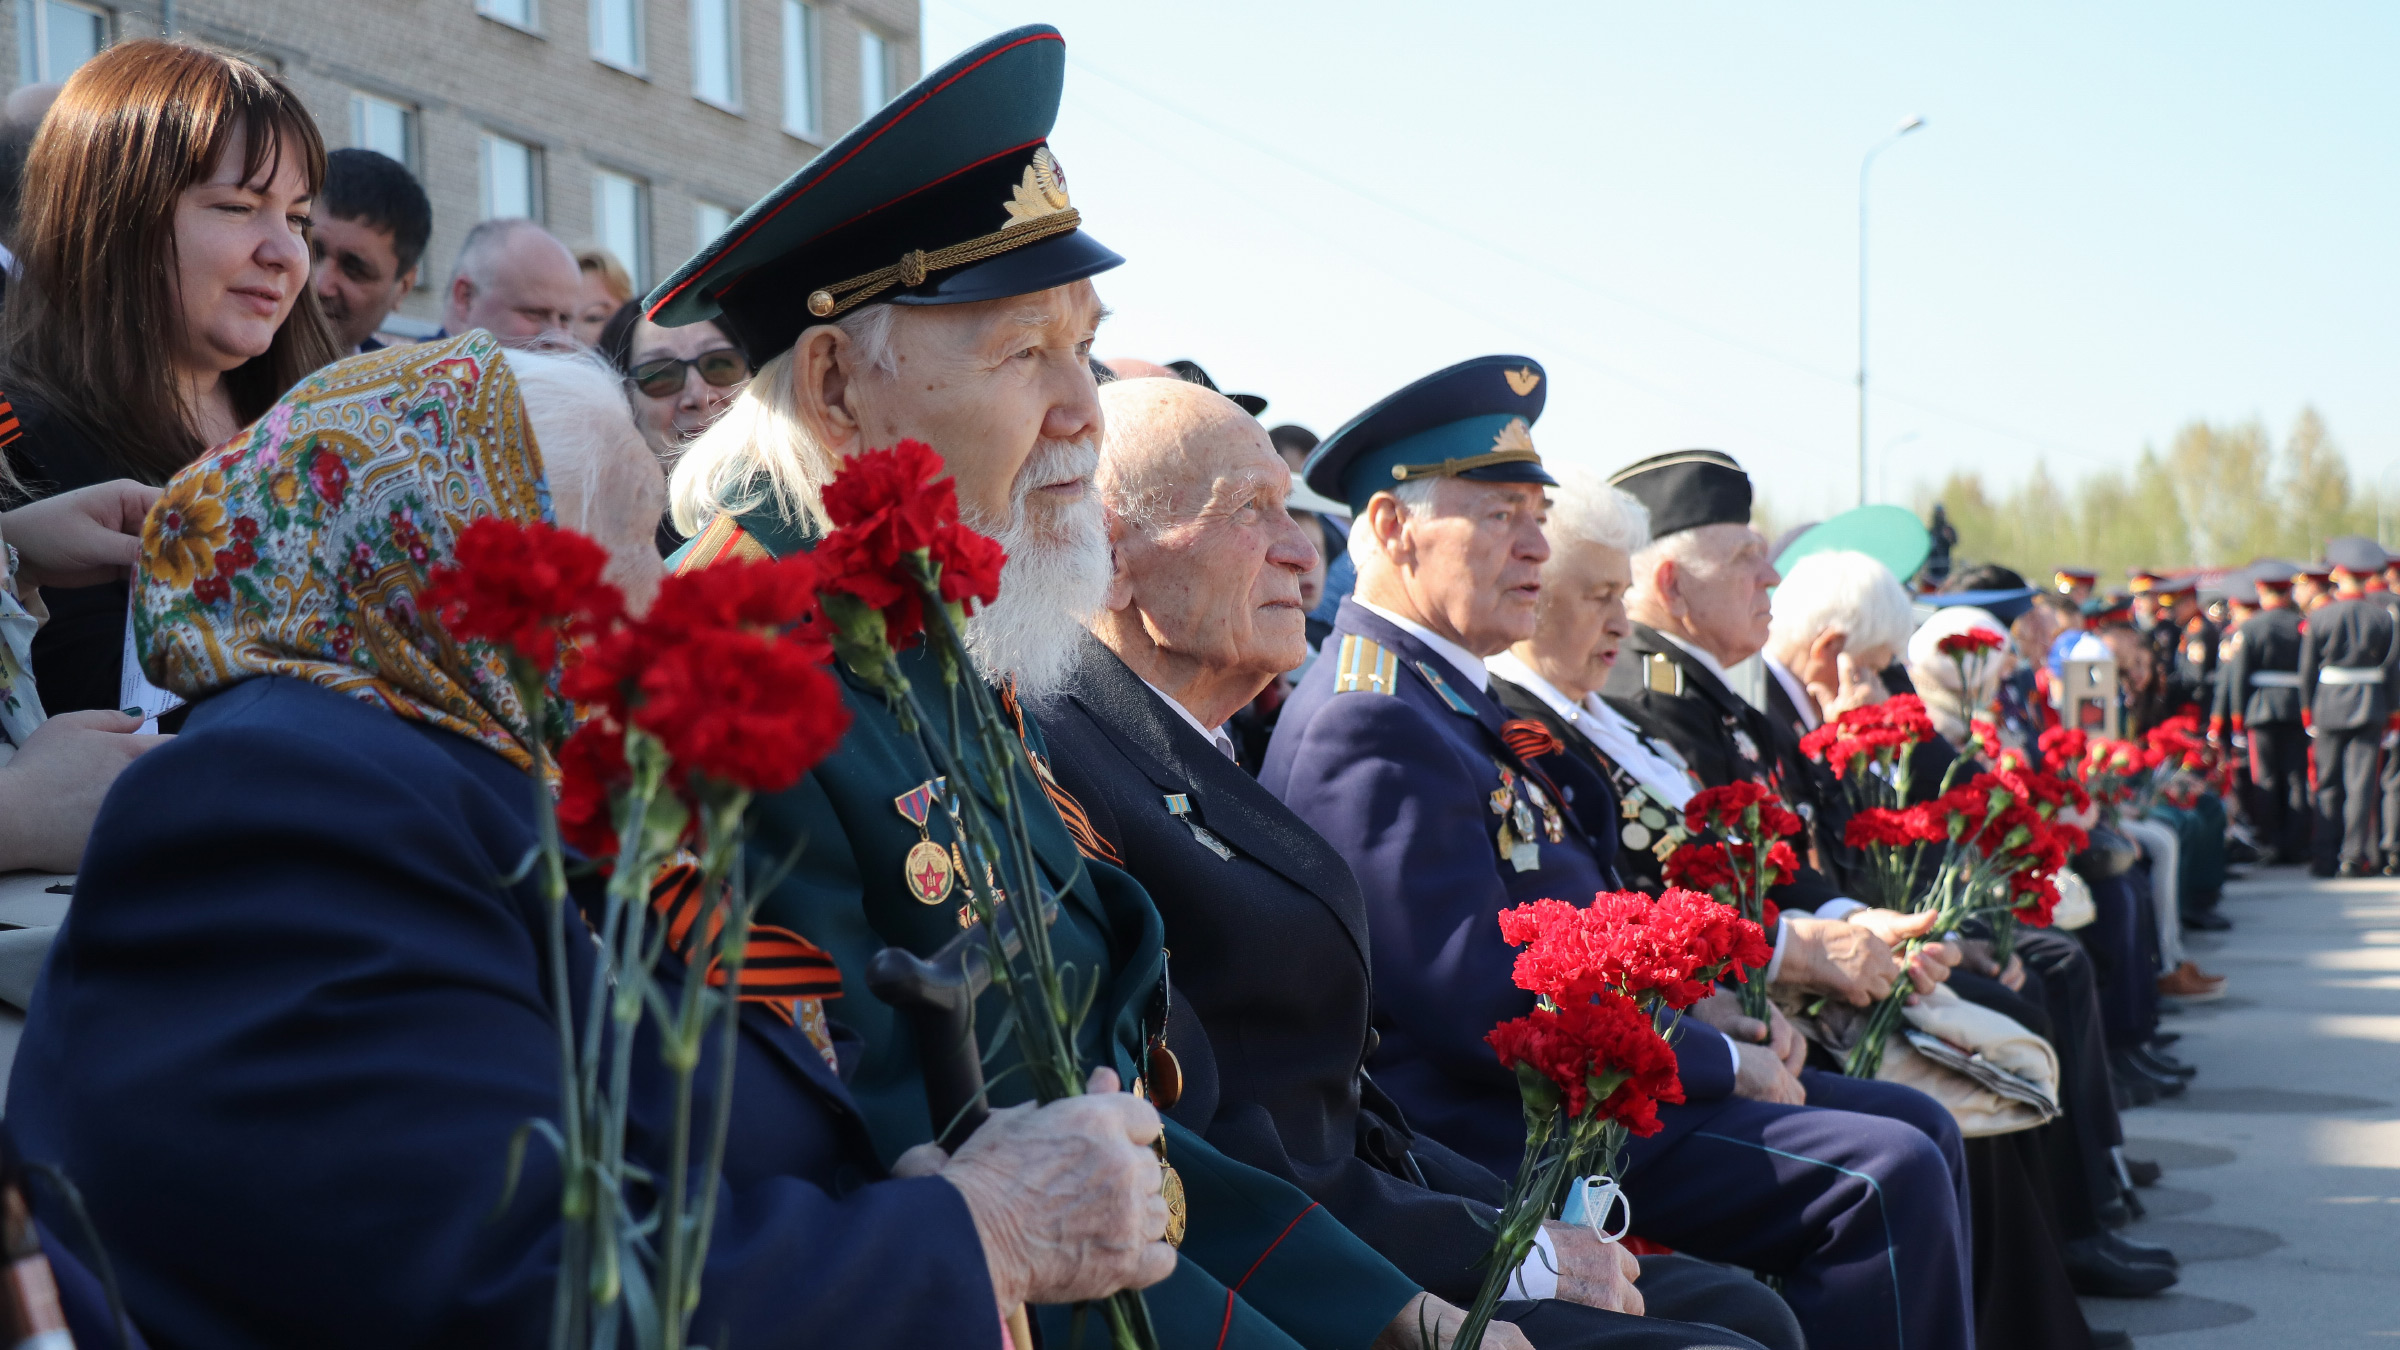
1473	420
2357	555
949	194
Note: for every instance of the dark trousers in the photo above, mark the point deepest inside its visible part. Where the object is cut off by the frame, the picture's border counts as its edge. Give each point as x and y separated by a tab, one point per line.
2391	809
2279	805
2060	974
2123	945
1688	1304
1858	1200
2024	1299
2348	785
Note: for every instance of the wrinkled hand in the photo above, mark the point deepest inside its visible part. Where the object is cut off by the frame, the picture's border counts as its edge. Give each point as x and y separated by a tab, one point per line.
1065	1196
1930	964
1764	1077
1859	688
80	538
1427	1323
1976	956
1723	1010
51	791
1844	960
1593	1273
2013	978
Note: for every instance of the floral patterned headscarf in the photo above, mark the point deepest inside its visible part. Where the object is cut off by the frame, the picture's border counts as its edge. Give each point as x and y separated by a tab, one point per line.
300	546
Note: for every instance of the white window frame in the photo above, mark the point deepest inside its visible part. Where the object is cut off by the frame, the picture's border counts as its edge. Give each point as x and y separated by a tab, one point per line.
633	252
484	167
33	36
803	70
732	9
874	52
638	61
531	23
409	133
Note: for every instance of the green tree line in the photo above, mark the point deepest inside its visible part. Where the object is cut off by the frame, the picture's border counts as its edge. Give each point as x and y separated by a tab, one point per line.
2219	495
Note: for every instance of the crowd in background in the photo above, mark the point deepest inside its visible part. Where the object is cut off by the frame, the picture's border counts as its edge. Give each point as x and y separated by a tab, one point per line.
242	260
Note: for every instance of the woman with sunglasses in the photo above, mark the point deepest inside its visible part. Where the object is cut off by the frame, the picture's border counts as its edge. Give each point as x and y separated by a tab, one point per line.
680	378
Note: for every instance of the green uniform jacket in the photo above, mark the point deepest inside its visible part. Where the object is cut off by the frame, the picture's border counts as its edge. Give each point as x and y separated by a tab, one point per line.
1257	1254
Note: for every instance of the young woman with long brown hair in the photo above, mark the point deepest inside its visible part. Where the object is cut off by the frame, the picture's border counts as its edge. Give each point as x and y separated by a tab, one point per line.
163	298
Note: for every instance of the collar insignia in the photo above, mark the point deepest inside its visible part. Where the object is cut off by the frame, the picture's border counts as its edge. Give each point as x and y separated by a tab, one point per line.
1449	695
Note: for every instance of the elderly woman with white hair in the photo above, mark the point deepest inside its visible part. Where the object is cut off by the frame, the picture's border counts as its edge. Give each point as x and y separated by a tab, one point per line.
1959	688
1840	618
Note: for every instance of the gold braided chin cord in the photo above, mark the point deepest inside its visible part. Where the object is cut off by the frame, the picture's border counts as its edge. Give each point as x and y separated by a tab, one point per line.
1450	468
916	264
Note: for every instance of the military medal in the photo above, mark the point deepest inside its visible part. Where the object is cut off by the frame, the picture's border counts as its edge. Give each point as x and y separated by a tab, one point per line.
1179	805
928	868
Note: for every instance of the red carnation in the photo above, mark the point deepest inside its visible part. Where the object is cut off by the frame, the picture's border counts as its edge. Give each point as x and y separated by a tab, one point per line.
591	766
1601	1038
522	586
1699	865
1970	642
970	566
896	524
1879	827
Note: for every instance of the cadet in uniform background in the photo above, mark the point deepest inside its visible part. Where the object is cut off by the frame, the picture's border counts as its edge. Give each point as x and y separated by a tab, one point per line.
2349	661
2258	716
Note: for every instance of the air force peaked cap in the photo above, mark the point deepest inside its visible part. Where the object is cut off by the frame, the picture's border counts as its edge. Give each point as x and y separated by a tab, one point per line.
1686	489
948	194
1473	420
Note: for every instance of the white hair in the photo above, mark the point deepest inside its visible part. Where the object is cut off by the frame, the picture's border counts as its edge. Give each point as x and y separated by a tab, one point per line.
1584	507
1692	551
1416	502
575	407
1843	592
758	451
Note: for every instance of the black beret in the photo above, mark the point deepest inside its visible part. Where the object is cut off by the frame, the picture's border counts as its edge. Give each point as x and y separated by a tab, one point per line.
1686	489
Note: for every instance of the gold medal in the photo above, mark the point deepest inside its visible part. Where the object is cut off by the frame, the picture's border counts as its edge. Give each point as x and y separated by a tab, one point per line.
1170	1186
927	870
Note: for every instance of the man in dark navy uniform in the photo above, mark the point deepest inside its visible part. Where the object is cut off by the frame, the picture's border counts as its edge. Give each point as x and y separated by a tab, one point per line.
2349	664
1393	748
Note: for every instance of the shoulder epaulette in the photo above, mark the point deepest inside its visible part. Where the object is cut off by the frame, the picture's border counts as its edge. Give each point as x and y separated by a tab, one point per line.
1661	674
724	538
1361	663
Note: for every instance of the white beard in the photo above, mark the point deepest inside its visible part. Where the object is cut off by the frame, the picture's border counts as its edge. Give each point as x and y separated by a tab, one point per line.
1056	577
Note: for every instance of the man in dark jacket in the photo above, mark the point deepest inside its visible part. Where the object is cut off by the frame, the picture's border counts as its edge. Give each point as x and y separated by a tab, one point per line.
2349	664
1266	922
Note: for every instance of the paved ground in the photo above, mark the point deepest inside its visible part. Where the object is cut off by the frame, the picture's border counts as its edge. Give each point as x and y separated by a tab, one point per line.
2282	1189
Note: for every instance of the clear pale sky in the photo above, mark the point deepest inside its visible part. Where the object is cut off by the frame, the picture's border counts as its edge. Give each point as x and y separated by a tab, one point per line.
2116	219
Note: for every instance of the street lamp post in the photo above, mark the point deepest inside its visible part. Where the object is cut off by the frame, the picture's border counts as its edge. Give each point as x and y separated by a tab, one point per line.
1863	165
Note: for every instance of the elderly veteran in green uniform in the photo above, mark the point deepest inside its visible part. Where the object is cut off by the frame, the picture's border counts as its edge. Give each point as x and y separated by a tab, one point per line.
927	277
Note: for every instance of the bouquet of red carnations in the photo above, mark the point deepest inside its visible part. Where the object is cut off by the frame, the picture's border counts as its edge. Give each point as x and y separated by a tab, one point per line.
718	692
1591	1061
1737	854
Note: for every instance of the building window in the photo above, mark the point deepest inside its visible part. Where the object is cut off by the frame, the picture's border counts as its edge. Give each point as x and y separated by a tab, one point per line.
800	69
716	56
617	33
525	14
621	222
511	178
56	36
385	127
709	220
874	72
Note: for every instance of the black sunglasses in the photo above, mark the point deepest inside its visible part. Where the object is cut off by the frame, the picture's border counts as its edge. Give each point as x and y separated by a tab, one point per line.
663	377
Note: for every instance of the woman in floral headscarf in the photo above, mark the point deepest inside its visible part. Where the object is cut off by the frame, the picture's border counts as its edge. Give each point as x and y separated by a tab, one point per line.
300	1010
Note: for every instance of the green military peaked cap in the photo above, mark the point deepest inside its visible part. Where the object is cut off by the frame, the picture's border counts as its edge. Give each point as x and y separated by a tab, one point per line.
949	194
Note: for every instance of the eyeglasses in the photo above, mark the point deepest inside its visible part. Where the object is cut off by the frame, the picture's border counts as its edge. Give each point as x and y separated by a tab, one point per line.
663	377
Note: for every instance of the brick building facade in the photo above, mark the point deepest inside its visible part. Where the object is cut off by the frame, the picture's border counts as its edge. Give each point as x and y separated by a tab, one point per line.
640	125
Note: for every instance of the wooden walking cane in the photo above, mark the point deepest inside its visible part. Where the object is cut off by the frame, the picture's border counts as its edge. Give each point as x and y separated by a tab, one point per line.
937	995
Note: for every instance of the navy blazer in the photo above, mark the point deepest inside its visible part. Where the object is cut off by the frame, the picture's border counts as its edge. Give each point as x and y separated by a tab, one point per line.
1401	785
295	1017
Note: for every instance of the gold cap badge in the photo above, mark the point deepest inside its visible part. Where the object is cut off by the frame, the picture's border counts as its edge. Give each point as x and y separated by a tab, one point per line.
1523	382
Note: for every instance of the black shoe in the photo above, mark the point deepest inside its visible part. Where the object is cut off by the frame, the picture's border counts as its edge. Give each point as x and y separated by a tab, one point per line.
2143	1171
2206	921
2096	1270
2137	1073
2164	1039
2238	852
2109	1340
2159	1062
2115	1214
2133	1087
2139	1253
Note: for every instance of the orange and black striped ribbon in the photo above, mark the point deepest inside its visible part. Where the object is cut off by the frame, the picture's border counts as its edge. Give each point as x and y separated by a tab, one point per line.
779	968
1070	812
10	428
1527	737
